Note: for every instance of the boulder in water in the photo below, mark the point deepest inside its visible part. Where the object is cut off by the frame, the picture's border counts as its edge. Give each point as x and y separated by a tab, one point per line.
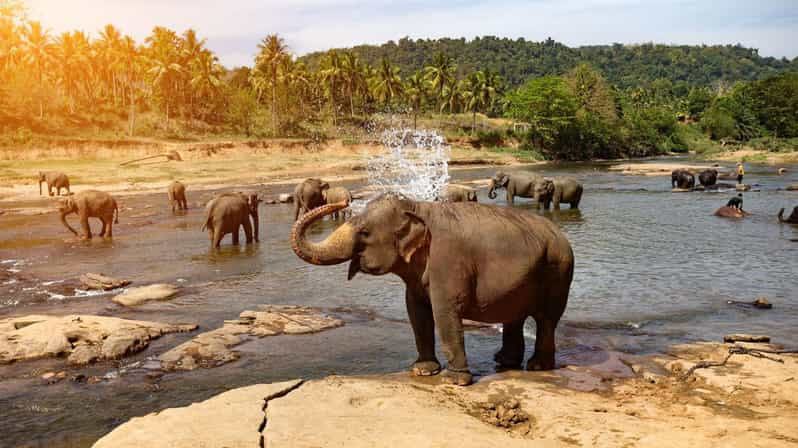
759	338
102	282
782	171
285	198
793	187
742	187
142	294
762	303
82	338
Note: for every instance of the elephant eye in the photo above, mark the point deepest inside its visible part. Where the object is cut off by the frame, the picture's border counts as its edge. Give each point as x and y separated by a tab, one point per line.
363	233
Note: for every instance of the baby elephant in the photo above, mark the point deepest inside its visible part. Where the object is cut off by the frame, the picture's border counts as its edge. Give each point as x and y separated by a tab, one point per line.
54	179
227	213
91	204
459	193
336	195
177	195
558	190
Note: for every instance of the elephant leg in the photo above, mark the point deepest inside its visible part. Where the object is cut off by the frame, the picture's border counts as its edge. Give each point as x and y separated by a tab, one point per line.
217	236
512	352
236	232
247	230
556	203
210	235
110	229
184	203
421	319
543	359
50	190
450	328
510	196
104	228
84	223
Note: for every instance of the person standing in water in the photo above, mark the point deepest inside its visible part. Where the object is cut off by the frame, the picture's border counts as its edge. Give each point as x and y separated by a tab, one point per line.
740	172
736	202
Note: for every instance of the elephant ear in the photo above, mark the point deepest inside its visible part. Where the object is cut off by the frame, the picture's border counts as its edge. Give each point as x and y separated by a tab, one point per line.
411	236
504	180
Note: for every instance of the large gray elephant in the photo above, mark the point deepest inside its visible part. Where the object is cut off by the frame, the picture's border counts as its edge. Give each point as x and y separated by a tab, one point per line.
792	219
335	195
565	189
227	213
706	178
91	204
308	195
682	179
458	261
177	195
55	180
522	185
459	193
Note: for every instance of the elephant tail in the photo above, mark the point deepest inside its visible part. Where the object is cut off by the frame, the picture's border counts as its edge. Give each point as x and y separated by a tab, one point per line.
116	213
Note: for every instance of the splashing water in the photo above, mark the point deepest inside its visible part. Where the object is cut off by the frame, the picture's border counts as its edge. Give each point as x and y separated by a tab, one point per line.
415	163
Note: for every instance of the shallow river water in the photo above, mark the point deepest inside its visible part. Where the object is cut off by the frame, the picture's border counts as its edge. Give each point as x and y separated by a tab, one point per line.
653	268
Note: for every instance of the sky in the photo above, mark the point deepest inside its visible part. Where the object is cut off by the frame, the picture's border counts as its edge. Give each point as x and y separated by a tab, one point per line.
233	28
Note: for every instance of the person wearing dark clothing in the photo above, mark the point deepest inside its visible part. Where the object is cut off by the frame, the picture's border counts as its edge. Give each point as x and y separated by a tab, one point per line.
736	202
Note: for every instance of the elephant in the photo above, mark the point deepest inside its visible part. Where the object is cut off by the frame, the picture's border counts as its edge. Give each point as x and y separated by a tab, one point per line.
459	193
558	190
226	213
682	179
708	178
522	185
91	204
335	195
54	179
253	201
309	195
459	260
177	195
792	219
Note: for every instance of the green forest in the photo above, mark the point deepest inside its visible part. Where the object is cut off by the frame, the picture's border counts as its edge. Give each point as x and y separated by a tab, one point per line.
551	101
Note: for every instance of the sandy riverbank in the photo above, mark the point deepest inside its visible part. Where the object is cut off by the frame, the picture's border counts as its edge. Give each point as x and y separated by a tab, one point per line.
610	400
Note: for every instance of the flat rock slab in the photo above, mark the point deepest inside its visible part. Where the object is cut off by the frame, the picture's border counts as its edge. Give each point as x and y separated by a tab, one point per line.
793	187
742	187
746	338
142	294
82	338
102	282
231	420
214	348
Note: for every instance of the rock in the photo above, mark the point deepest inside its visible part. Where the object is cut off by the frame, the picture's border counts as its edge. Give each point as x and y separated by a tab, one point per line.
681	190
285	198
102	282
232	419
782	171
142	294
762	303
742	187
746	338
214	348
793	187
82	338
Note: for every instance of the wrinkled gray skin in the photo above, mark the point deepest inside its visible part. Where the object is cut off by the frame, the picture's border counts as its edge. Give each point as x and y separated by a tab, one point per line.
335	195
522	185
558	190
792	219
226	214
707	178
55	180
308	195
459	193
177	195
91	204
682	179
457	260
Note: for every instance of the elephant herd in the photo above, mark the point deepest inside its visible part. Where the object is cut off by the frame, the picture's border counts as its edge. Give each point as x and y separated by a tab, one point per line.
542	190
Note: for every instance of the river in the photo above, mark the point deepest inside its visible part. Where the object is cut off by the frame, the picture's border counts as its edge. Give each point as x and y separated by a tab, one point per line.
653	268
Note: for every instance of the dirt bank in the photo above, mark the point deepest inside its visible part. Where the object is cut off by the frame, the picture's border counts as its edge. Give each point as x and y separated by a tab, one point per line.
618	400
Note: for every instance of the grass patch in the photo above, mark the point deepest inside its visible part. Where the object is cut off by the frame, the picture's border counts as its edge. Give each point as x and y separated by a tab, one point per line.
522	155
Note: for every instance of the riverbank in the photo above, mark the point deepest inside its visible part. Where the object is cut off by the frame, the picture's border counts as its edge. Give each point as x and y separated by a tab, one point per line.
609	400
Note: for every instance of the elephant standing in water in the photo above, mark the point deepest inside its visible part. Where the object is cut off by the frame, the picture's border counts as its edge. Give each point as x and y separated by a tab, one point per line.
91	204
522	185
226	214
707	178
558	190
682	179
177	195
457	260
54	179
337	195
792	219
308	195
459	193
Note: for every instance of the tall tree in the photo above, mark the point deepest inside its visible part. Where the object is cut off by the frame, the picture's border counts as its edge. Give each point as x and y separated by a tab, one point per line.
387	84
440	74
415	92
330	73
39	50
272	50
164	67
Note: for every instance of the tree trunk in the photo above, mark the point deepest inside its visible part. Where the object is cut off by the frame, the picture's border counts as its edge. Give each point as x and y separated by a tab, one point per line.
274	101
131	116
473	122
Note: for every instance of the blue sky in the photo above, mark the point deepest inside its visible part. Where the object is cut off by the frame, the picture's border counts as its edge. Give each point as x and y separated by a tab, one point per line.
234	27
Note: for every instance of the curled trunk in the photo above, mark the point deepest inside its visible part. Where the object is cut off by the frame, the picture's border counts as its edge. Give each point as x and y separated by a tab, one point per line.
66	224
337	248
492	191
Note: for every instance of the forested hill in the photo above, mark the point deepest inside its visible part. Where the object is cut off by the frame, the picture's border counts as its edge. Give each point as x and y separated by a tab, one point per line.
624	65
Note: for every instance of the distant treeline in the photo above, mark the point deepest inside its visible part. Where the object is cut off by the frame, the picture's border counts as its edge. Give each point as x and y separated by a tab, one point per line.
624	66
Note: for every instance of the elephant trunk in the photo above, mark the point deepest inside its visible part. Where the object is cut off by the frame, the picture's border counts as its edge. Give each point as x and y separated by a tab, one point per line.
492	191
781	215
66	224
336	249
40	187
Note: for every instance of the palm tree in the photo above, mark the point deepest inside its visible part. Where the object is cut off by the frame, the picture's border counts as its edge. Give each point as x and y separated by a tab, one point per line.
130	59
71	50
387	84
191	51
205	75
415	92
439	75
330	74
10	44
452	96
354	78
474	96
272	51
38	53
109	57
164	66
